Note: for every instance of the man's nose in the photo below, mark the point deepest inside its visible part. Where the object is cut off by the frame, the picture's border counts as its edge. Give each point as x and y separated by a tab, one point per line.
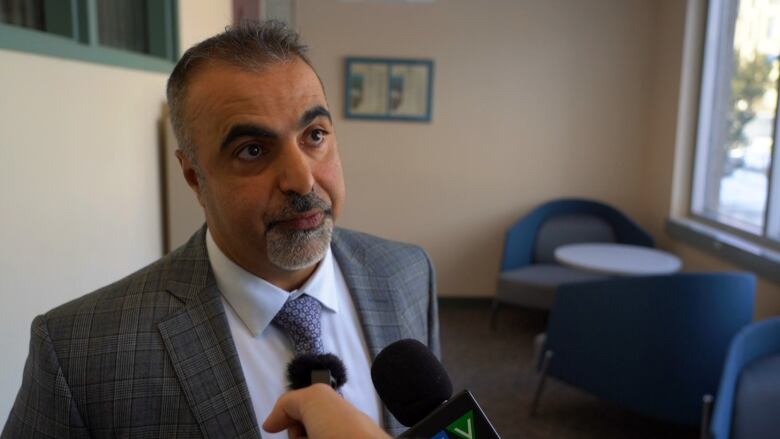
295	170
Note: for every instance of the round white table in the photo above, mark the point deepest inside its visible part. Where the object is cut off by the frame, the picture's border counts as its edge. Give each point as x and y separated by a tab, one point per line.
618	259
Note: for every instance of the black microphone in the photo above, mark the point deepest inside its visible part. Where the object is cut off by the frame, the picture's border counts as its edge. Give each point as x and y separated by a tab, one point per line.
416	389
307	369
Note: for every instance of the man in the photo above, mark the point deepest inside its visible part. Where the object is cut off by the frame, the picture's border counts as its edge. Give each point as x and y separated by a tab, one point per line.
196	344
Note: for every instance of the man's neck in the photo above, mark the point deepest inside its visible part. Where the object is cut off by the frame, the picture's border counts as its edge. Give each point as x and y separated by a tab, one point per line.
288	280
261	267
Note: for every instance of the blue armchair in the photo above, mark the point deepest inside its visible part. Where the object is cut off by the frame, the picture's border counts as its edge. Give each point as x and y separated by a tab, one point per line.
749	394
652	344
529	274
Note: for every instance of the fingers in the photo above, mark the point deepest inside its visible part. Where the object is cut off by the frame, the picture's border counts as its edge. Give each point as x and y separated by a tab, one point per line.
318	412
284	415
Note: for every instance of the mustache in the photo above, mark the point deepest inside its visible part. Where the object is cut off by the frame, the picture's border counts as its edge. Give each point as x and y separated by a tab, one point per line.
296	204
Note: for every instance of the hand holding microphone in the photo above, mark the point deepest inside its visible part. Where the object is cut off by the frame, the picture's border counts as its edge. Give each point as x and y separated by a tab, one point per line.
313	408
318	412
411	382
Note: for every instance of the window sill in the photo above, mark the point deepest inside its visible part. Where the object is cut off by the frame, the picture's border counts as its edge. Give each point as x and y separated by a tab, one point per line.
738	251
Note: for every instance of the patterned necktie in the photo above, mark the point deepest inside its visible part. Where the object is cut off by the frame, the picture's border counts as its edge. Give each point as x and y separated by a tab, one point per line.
300	319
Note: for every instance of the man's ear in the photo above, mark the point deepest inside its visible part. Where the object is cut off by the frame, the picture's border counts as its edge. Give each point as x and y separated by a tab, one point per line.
190	174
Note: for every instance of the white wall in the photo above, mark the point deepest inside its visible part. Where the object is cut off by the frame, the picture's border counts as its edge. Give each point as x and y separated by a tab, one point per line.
79	181
79	188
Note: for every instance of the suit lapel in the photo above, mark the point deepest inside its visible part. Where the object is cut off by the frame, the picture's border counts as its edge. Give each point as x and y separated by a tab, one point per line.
202	351
372	295
377	310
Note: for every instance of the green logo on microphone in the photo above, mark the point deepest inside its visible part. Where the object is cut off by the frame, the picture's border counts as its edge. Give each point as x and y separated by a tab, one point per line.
463	427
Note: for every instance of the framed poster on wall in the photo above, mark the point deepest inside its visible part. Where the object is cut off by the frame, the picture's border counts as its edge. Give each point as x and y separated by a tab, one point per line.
388	89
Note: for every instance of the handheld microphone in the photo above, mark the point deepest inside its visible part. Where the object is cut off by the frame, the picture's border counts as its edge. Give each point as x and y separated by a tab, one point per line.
416	389
307	369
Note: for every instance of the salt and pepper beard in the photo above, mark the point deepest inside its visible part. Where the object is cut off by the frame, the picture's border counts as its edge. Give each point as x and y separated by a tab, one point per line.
293	250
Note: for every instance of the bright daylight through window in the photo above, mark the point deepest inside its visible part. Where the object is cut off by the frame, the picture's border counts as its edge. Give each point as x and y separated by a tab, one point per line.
733	180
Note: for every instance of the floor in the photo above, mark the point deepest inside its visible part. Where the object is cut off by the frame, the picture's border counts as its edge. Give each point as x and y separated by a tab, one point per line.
496	367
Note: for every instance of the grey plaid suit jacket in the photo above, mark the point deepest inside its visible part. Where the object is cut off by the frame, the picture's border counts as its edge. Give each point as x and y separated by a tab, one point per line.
151	356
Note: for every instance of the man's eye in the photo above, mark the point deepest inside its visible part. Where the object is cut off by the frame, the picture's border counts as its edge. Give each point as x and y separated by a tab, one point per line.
252	151
317	135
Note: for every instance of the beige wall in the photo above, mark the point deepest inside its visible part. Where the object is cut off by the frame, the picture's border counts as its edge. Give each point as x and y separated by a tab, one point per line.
80	181
532	100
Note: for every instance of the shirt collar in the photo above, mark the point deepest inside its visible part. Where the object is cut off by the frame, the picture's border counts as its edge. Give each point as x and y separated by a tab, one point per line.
257	301
322	284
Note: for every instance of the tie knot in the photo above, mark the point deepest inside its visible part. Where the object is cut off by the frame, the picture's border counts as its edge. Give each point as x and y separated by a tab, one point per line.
300	319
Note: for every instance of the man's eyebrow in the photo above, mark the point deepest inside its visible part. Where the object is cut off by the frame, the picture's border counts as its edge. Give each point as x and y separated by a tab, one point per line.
313	113
245	130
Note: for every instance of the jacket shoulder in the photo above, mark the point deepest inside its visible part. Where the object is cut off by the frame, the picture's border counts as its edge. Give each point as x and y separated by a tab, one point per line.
382	256
145	283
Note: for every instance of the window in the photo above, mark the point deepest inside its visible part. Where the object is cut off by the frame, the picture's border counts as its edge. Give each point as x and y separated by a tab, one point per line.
23	13
132	33
123	24
734	184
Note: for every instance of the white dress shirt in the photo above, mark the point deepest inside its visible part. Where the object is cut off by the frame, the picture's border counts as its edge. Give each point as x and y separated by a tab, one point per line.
265	350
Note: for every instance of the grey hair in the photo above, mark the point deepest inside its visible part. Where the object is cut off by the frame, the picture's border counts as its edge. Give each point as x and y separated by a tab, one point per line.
251	45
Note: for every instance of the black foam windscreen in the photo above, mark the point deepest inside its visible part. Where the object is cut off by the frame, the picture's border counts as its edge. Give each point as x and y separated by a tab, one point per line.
410	380
299	371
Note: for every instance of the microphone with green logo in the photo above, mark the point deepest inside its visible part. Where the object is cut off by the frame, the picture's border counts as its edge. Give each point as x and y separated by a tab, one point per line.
416	389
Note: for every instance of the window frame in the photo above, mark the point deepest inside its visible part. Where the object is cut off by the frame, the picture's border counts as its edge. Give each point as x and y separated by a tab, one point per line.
730	244
74	36
708	79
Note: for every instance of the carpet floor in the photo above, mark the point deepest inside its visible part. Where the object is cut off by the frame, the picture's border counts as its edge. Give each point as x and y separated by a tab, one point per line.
496	367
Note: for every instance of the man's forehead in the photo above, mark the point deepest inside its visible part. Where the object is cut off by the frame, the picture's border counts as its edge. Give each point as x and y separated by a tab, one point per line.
223	89
294	73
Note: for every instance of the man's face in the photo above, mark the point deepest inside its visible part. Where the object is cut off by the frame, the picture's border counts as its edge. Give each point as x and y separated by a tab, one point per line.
271	181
